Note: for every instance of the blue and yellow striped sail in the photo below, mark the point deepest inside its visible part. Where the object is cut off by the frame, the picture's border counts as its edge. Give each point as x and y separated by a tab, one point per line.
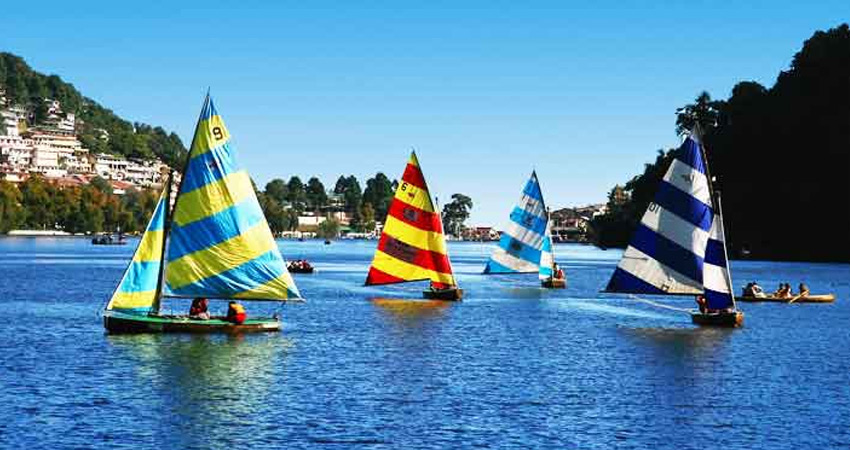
137	291
220	245
678	246
521	244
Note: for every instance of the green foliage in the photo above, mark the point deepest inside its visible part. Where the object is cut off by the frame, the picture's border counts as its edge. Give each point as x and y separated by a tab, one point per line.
455	214
379	193
317	198
349	187
11	211
329	229
781	155
296	194
278	190
364	219
98	128
91	208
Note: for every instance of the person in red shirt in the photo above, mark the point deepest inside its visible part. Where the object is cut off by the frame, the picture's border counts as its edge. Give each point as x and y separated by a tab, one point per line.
236	313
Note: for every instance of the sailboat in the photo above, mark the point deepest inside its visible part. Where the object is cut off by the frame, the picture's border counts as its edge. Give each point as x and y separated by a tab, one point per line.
526	243
679	246
213	242
412	246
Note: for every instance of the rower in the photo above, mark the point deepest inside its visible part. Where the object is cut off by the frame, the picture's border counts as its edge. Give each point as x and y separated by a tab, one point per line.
804	290
757	290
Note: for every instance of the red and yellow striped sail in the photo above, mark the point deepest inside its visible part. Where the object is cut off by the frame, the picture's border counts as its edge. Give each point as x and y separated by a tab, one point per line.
412	245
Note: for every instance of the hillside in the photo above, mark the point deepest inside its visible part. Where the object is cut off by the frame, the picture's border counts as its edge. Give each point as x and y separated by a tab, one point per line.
99	129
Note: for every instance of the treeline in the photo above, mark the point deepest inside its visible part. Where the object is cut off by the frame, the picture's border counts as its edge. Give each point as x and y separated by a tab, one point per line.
781	158
98	128
41	205
283	201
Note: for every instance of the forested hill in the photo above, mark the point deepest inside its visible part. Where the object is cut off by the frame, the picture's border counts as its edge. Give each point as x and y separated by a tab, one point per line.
26	87
781	156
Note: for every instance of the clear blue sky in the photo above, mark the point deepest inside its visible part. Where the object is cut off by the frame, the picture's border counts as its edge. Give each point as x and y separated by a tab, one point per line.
585	92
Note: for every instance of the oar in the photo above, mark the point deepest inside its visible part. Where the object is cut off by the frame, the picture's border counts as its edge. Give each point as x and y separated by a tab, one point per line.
794	299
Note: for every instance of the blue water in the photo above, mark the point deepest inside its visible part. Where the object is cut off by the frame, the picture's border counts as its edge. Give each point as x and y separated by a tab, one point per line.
512	366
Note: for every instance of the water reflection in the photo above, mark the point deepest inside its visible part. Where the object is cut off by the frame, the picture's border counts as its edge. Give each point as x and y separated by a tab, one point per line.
406	311
208	383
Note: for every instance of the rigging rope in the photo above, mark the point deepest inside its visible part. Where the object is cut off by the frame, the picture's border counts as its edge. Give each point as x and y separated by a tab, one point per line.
660	305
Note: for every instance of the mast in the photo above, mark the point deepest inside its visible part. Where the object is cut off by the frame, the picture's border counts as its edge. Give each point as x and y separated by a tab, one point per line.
169	212
716	205
157	304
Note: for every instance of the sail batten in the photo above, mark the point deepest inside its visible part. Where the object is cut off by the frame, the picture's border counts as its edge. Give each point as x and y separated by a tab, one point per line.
412	246
220	245
521	245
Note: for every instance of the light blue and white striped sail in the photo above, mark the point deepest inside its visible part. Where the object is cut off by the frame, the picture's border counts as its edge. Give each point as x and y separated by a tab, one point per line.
667	252
522	241
547	257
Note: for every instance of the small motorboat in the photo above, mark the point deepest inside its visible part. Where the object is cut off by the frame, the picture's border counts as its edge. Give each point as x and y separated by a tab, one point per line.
108	239
811	298
300	266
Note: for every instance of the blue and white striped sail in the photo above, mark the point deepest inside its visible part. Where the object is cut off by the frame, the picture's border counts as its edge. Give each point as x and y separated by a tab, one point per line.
668	250
522	241
547	257
716	277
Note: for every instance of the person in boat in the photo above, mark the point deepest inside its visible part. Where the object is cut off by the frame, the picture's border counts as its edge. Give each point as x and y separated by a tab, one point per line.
757	291
236	313
198	310
702	304
557	273
804	290
781	292
748	290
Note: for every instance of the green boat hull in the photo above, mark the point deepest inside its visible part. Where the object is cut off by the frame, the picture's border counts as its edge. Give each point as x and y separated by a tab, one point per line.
117	323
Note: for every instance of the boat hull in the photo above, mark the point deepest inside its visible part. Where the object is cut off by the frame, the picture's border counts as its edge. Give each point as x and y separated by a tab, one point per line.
825	298
127	324
729	320
310	270
554	284
452	294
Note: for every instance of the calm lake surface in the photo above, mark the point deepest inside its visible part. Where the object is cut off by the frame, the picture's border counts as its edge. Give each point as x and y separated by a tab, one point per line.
512	366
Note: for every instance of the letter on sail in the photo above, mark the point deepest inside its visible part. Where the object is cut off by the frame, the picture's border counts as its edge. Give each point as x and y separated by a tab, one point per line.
220	243
137	291
412	246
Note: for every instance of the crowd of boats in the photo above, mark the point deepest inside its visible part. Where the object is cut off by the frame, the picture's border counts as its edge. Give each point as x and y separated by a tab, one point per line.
208	238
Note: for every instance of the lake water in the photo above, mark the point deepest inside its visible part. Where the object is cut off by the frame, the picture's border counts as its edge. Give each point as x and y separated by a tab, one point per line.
512	366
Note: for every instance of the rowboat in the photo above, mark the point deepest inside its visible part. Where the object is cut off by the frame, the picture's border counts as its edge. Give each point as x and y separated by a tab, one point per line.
820	298
213	242
525	246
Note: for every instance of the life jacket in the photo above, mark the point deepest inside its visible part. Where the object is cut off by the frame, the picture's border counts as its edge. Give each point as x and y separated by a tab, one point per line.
236	313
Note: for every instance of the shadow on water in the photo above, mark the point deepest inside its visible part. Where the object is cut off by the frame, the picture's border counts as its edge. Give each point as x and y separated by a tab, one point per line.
207	383
703	344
